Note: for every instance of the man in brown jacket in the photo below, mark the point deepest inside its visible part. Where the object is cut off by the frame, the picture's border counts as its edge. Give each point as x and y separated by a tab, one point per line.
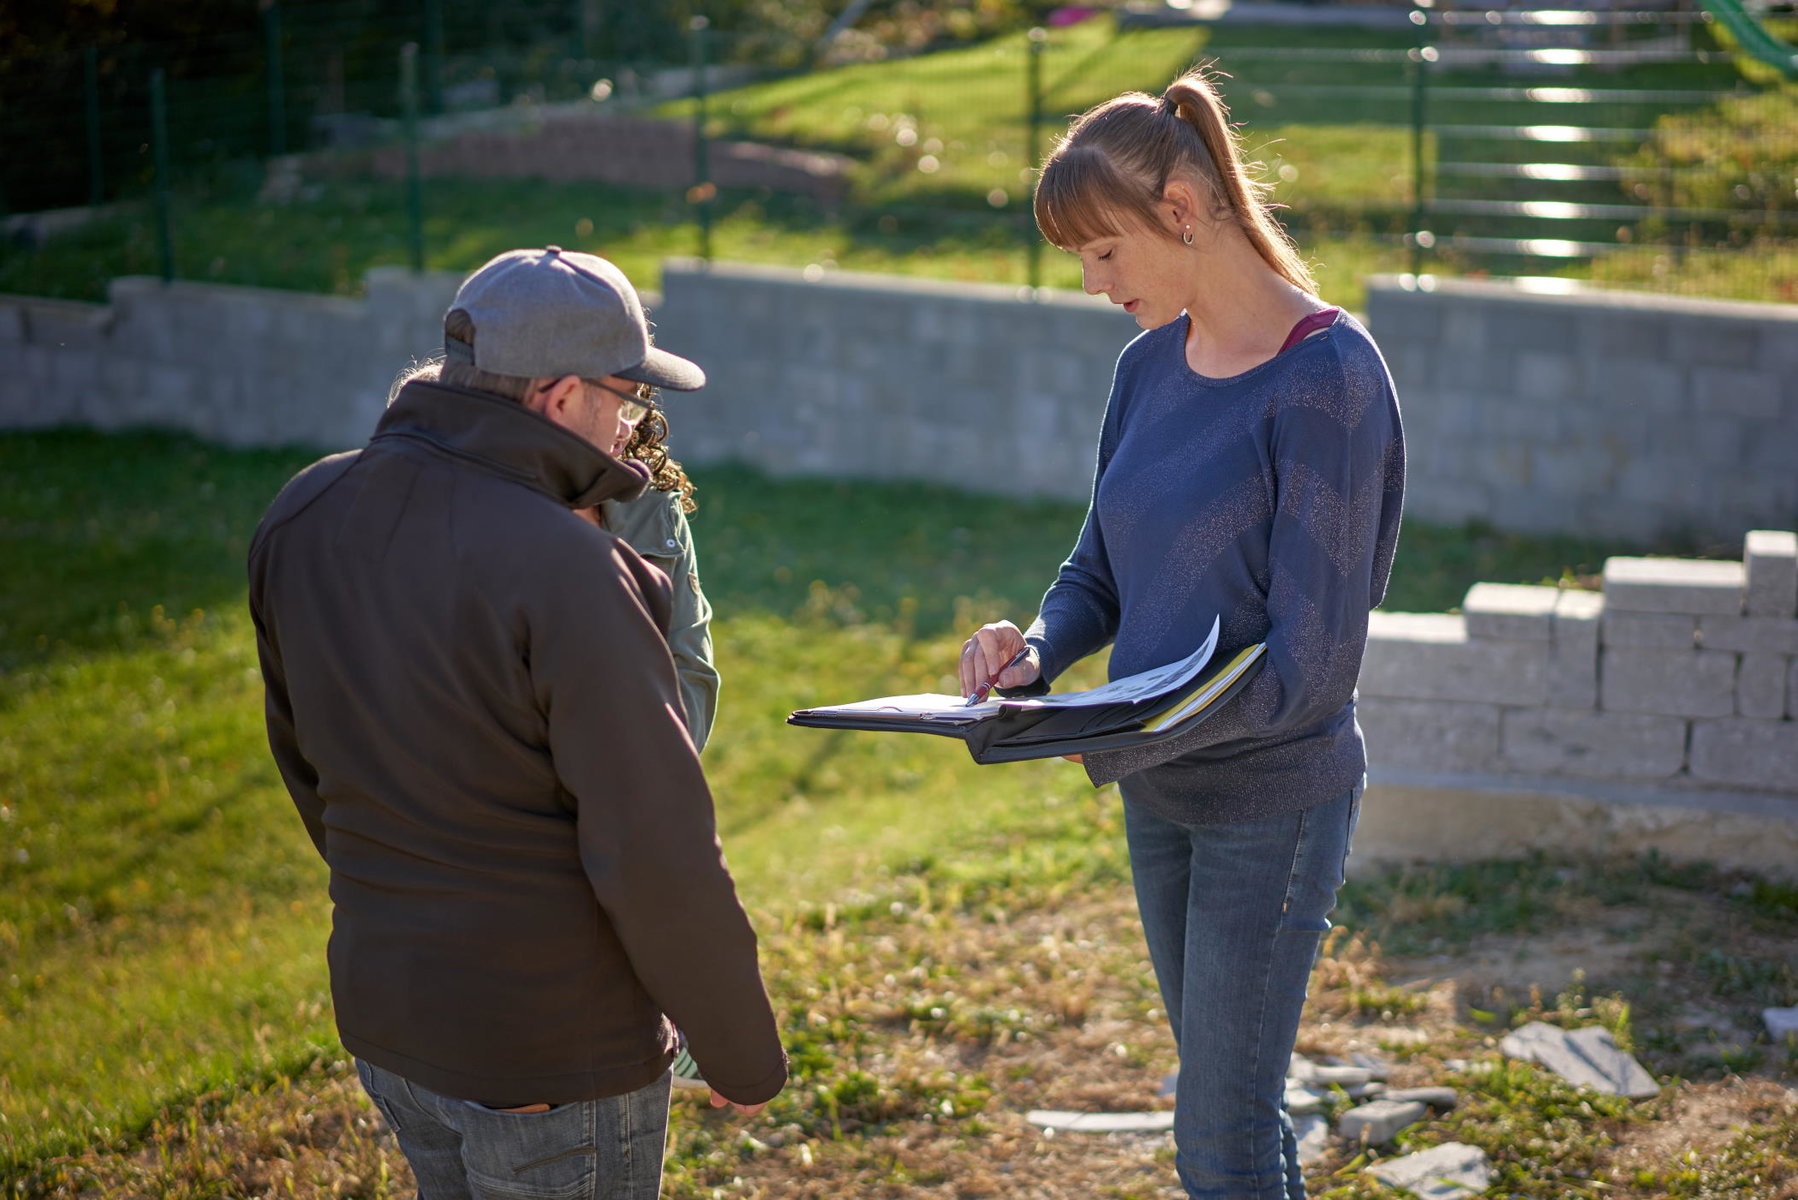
470	698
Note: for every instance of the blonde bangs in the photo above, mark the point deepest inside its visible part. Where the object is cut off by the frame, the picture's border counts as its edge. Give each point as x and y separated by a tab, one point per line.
1082	196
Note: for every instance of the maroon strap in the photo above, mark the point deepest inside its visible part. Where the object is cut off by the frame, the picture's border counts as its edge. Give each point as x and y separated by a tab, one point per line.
1309	324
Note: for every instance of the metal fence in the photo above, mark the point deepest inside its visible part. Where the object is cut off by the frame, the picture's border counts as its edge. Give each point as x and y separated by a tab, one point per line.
1625	146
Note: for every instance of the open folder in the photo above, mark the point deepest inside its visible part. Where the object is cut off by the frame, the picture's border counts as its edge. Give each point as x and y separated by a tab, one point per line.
1133	711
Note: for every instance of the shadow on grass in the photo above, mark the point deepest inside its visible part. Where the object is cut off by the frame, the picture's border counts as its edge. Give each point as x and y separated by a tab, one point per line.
99	531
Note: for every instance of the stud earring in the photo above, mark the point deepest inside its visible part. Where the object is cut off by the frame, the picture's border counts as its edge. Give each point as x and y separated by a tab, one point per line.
1186	235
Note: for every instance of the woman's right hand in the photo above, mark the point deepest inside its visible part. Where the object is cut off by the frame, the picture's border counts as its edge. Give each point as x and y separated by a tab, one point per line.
991	647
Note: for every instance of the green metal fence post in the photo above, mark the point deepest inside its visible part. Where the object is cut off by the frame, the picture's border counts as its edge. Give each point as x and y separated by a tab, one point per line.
702	171
277	87
415	208
1033	76
96	159
586	33
1421	56
434	56
159	140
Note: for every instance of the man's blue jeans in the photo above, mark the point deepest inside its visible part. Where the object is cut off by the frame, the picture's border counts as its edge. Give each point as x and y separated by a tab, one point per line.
607	1149
1233	915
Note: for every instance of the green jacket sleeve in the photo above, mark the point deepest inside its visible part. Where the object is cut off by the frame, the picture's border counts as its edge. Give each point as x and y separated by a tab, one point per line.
654	526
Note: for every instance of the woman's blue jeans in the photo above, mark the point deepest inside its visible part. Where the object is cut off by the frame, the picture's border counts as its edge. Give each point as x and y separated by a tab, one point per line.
1233	915
607	1149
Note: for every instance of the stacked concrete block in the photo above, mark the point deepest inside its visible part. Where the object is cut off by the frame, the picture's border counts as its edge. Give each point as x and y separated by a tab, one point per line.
1634	416
1680	678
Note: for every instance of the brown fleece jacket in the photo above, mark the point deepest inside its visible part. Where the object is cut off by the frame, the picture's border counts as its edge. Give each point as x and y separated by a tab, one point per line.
471	699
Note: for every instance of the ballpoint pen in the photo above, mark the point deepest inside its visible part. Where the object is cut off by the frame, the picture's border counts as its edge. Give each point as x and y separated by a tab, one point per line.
980	693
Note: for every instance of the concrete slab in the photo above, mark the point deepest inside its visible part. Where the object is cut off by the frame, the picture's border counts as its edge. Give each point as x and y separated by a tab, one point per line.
1075	1122
1588	1058
1379	1121
1450	1171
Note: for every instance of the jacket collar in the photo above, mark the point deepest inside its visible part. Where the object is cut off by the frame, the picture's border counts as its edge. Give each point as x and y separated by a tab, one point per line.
507	439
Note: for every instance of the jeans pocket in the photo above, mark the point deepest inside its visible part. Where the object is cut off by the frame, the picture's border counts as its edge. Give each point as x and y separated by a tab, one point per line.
1354	817
371	1084
1319	861
530	1156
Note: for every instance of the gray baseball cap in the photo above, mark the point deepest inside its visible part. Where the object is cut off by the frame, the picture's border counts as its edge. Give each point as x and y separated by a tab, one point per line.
543	314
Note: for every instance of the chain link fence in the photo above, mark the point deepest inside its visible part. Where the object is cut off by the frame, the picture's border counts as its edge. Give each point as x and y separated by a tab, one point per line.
1636	147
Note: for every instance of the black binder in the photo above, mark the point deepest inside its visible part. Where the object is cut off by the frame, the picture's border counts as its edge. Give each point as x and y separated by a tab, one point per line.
1014	730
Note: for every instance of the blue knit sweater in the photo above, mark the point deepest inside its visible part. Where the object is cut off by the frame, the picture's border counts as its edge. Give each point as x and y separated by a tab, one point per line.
1269	499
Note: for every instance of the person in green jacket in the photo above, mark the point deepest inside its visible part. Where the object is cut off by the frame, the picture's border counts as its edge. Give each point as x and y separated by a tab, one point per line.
655	526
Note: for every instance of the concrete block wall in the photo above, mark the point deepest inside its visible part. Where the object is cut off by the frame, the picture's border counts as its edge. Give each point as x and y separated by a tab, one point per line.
881	377
238	366
1608	414
1671	693
1628	416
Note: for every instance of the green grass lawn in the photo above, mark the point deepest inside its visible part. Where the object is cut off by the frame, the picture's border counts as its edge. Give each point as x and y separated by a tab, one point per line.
161	913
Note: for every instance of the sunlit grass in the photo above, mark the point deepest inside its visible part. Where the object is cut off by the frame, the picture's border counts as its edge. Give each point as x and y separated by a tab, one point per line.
162	914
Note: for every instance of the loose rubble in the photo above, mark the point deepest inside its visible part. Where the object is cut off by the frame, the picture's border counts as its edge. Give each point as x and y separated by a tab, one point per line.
1126	1122
1588	1058
1450	1171
1379	1121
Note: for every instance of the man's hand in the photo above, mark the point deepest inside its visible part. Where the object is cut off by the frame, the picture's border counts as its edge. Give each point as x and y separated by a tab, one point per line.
747	1110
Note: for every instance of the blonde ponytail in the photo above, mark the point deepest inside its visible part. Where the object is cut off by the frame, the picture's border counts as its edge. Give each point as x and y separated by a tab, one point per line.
1116	160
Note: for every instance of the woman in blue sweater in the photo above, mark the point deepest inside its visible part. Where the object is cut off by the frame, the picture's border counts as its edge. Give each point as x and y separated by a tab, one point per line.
1251	468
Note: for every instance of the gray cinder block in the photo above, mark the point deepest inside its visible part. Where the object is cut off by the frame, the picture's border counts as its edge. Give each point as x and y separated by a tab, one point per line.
1770	559
1573	660
1655	387
1441	735
1749	635
1428	656
1509	610
1608	745
1675	683
1673	585
1650	631
1761	686
1736	392
1746	753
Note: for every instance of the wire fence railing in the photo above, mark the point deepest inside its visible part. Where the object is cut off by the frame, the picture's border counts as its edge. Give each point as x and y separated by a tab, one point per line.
1631	147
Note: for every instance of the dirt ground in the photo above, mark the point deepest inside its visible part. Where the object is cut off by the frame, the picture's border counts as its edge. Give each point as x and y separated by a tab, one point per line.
952	1026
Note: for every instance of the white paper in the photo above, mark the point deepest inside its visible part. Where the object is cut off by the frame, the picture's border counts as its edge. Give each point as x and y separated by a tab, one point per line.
927	705
1146	685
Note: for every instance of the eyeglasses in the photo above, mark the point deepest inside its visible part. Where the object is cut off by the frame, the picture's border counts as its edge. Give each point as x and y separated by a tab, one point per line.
631	408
